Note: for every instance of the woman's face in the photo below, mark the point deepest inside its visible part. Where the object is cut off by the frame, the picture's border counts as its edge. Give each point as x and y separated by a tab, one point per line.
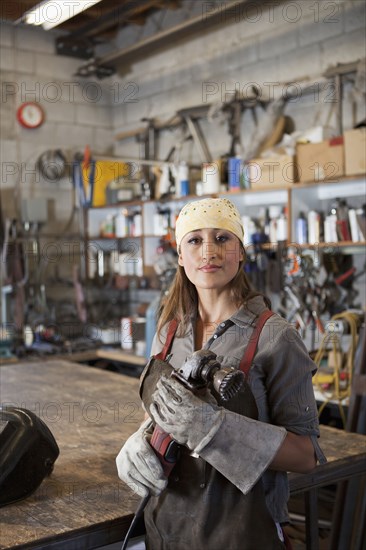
210	257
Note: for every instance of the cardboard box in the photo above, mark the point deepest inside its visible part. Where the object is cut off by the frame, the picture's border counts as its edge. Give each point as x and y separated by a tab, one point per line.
355	151
272	172
321	161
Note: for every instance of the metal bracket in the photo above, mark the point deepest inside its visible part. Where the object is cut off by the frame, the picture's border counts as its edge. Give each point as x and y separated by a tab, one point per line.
82	48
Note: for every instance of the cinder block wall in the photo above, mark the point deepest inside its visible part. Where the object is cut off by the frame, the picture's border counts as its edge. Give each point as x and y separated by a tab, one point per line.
268	46
285	41
77	113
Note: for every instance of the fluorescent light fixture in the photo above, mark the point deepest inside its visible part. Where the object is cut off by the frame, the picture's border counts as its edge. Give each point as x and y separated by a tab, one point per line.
51	13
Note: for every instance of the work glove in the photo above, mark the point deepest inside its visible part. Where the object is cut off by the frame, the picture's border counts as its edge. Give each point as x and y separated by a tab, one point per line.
138	465
190	420
240	448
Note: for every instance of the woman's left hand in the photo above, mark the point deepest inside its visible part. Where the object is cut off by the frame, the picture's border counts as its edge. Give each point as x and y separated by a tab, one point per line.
183	415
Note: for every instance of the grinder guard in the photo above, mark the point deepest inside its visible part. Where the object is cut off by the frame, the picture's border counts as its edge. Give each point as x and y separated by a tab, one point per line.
28	451
150	376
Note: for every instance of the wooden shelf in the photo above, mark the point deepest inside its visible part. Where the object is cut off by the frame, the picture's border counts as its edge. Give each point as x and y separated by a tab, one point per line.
115	238
290	195
341	179
269	246
339	243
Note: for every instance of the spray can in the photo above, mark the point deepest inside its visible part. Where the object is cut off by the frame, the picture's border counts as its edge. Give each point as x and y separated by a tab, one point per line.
126	333
235	165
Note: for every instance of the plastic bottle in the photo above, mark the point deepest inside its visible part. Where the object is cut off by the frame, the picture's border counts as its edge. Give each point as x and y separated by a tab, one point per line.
183	179
138	224
282	226
120	224
301	229
314	227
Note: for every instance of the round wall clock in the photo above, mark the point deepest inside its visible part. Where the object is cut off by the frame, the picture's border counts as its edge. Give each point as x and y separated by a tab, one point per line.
30	115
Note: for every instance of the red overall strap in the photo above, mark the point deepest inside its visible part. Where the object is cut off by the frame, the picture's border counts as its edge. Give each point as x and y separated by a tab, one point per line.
251	349
169	339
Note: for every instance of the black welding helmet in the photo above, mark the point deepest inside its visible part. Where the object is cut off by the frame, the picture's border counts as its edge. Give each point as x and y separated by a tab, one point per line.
28	451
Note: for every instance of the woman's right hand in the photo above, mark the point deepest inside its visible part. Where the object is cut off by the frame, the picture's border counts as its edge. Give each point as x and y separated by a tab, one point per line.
139	467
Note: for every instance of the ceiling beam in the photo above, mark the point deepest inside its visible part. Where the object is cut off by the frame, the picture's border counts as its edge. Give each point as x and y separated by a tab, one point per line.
116	16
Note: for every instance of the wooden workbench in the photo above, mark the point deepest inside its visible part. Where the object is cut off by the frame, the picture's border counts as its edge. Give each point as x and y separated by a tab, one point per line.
110	353
91	413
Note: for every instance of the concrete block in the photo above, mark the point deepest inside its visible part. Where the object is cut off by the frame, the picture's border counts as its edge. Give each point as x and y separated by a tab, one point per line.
119	116
343	49
36	39
7	59
123	92
10	168
7	109
39	88
265	75
218	141
213	40
299	64
61	111
60	67
354	15
319	27
70	135
153	85
77	90
7	123
24	61
236	57
128	148
103	142
136	111
255	21
96	115
279	43
44	135
6	33
30	151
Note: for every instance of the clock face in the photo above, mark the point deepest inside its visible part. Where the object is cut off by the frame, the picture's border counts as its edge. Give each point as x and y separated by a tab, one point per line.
30	115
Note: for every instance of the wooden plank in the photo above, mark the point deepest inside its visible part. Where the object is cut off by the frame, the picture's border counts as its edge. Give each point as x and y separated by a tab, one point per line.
346	455
91	413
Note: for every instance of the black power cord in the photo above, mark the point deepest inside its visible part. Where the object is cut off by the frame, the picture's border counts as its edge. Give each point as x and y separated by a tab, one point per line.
137	516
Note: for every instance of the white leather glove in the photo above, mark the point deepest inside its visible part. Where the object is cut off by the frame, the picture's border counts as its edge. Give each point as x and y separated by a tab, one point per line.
190	420
138	466
237	446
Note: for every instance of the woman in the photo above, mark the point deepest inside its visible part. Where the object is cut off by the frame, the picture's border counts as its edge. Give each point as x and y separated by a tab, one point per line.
229	488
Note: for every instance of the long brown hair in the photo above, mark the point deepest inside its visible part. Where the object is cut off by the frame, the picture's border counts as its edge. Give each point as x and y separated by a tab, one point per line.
181	301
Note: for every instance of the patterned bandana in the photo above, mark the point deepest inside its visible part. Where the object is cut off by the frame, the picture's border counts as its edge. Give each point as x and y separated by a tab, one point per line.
210	214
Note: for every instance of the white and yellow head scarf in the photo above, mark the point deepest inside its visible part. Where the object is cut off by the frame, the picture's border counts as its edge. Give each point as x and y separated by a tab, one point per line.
208	213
